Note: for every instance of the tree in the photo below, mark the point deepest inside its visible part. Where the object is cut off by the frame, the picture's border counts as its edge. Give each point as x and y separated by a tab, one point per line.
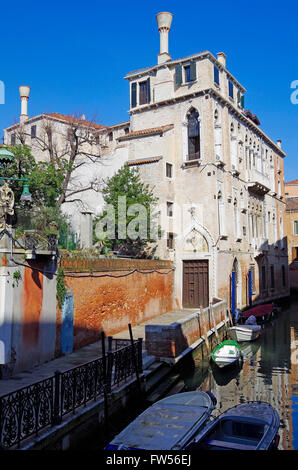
45	184
128	214
68	145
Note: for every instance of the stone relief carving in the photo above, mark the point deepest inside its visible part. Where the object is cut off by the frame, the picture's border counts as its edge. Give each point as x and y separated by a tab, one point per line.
6	206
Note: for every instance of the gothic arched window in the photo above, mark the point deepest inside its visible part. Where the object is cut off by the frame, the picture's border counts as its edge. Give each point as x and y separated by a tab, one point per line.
193	135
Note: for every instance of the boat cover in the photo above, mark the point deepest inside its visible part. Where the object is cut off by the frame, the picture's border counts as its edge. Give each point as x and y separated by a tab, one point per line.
168	424
254	412
258	311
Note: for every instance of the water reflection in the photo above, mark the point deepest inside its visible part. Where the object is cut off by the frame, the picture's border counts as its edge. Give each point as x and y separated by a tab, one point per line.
268	373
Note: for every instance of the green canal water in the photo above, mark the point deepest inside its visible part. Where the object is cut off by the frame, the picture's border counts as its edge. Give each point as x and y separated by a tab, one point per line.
268	372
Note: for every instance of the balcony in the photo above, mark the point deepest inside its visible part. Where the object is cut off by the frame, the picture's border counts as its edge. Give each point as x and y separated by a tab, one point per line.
257	182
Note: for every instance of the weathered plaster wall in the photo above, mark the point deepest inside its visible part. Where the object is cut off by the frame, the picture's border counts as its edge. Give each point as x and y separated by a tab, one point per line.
28	315
106	303
109	304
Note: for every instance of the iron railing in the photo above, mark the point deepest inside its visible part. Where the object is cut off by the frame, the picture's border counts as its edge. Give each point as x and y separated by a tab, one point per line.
25	412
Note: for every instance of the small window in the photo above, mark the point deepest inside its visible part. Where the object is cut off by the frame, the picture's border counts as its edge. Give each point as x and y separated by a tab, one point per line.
295	227
216	75
110	135
170	209
13	139
33	132
144	92
170	241
283	273
272	285
126	130
231	90
169	170
264	285
244	230
187	74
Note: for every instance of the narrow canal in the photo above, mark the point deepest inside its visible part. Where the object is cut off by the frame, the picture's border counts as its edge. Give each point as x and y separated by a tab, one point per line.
269	372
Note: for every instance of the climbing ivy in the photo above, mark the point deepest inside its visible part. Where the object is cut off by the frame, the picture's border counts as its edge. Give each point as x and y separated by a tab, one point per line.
61	287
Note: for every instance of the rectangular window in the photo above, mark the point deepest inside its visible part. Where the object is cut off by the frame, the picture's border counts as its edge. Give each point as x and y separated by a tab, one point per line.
295	227
170	209
216	75
187	74
231	89
144	92
283	273
169	170
264	278
133	95
170	241
33	132
13	139
272	285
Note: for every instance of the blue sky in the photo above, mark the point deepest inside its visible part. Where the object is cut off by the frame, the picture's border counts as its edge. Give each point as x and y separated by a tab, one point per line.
74	56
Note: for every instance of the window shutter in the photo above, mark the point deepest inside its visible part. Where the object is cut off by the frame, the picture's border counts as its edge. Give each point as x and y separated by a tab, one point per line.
178	75
242	101
148	91
193	75
133	95
239	97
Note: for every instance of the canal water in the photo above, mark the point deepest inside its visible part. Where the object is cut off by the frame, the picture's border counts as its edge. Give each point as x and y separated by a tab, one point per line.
268	372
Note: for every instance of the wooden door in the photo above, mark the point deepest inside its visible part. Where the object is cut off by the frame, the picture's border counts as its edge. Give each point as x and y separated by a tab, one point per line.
195	283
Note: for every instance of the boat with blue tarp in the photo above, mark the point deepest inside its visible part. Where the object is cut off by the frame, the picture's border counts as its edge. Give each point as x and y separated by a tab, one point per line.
170	423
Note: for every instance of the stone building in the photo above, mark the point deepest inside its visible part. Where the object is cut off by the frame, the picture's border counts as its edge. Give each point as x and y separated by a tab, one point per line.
96	152
218	176
291	194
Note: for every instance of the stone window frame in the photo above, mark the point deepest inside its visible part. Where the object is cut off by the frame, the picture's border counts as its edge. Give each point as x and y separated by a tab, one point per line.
185	134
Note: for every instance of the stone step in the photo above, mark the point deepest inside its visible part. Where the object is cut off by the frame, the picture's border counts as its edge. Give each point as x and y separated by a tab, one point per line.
156	373
147	360
163	388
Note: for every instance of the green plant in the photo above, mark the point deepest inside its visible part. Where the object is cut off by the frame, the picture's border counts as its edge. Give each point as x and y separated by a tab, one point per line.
16	276
61	287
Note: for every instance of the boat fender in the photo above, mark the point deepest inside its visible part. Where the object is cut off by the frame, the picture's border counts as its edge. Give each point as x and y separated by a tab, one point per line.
213	399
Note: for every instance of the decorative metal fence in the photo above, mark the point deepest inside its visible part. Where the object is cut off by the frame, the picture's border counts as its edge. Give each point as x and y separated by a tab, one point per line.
25	412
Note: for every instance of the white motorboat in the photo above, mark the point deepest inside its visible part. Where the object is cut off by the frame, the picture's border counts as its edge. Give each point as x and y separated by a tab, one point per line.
246	332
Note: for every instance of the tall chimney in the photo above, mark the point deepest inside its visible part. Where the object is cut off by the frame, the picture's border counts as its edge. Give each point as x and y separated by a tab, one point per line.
279	143
221	57
24	94
164	21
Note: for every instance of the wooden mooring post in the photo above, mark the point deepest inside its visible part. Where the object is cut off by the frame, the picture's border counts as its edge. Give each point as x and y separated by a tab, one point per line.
214	322
205	330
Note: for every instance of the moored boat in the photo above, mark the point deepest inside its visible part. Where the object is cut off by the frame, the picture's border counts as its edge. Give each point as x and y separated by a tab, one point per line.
262	313
168	424
246	332
226	353
248	426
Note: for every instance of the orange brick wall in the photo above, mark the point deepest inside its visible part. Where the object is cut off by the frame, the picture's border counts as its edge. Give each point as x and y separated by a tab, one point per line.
109	304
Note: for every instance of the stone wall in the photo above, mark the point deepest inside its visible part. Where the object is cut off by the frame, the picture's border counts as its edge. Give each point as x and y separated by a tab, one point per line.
117	292
169	341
